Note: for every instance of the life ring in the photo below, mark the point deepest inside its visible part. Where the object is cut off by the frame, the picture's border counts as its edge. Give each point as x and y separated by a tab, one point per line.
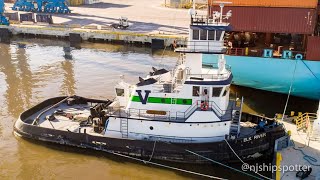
204	106
298	57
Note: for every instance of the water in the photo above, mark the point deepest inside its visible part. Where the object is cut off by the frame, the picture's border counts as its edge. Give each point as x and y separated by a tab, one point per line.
32	70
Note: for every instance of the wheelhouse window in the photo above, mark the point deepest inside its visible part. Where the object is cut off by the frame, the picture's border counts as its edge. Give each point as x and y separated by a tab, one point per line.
210	35
226	90
218	36
119	92
195	90
195	34
203	34
216	91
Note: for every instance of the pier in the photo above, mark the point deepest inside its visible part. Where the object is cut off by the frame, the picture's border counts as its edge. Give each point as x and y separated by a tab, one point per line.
303	150
149	23
92	33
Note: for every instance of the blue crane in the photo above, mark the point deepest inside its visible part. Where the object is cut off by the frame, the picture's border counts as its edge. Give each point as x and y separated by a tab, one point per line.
46	6
3	19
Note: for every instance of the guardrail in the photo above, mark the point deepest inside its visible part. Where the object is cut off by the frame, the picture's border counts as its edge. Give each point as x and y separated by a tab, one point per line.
174	116
205	20
210	46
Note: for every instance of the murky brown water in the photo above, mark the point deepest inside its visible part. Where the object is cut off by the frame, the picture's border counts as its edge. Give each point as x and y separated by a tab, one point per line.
33	70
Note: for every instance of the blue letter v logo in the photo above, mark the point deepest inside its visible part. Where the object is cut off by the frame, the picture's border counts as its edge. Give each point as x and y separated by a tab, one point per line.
143	100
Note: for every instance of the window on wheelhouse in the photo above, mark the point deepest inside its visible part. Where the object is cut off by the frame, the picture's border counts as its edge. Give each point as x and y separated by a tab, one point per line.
203	34
216	91
226	90
119	92
218	35
210	35
195	34
195	90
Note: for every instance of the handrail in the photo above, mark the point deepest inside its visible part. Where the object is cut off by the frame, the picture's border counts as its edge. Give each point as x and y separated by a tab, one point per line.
301	120
205	20
211	76
215	65
203	45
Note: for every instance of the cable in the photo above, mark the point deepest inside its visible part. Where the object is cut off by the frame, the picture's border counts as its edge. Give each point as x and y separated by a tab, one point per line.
154	146
244	162
310	70
162	165
216	162
311	160
292	80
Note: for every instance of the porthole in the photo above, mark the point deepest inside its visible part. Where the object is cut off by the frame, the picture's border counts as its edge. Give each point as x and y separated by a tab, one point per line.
151	128
184	101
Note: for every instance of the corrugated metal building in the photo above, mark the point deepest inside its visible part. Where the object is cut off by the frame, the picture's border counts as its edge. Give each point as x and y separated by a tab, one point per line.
271	20
272	3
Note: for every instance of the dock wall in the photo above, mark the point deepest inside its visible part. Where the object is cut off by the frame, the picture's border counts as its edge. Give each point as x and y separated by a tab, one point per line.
94	33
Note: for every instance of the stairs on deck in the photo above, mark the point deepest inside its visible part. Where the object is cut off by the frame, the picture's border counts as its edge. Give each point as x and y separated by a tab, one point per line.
235	124
124	127
236	119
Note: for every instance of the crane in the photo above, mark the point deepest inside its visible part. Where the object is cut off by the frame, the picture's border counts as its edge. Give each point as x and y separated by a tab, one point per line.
3	19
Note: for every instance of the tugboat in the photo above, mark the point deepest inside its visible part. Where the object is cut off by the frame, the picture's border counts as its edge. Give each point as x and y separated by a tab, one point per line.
184	115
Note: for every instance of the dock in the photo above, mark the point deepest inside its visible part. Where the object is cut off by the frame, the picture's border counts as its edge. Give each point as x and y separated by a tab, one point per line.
149	23
296	154
92	33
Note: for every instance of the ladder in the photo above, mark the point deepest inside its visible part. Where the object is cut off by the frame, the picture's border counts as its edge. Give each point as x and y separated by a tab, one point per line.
236	119
235	124
124	127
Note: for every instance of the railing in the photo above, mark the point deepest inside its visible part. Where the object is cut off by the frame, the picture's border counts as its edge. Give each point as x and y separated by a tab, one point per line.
186	114
305	120
205	20
236	51
216	65
174	116
209	46
143	113
219	76
259	52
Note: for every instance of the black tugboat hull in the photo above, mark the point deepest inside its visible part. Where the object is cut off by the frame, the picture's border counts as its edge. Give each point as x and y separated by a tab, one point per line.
248	148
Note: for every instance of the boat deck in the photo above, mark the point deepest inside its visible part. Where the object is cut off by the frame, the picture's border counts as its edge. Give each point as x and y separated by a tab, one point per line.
71	118
77	113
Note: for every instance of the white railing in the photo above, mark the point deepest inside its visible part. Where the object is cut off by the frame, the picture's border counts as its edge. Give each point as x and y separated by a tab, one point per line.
209	46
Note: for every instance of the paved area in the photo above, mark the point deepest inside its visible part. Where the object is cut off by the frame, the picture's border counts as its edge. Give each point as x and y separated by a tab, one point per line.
292	157
144	15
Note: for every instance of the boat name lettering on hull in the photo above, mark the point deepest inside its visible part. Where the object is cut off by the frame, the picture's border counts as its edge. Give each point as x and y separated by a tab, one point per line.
258	136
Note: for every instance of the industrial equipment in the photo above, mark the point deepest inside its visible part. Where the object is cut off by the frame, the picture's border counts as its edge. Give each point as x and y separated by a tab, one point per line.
46	6
123	23
3	19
